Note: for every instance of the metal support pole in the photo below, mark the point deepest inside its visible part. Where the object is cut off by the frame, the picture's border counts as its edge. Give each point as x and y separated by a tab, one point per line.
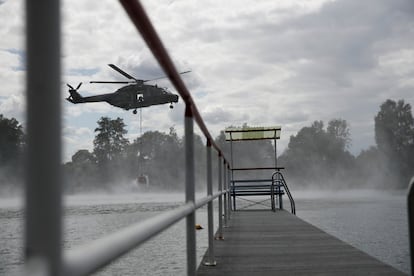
230	189
226	215
410	212
275	152
280	193
43	177
234	194
272	196
210	258
190	189
220	200
279	185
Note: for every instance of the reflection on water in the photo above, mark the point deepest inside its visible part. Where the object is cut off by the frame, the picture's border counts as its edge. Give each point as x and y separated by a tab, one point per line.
371	221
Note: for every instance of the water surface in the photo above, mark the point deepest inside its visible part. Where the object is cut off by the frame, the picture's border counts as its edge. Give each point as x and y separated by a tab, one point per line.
372	221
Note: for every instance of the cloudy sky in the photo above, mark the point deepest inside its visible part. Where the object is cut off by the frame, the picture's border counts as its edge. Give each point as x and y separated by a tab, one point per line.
282	62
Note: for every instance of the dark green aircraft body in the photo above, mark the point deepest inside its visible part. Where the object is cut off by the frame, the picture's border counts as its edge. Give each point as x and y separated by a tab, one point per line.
129	97
132	96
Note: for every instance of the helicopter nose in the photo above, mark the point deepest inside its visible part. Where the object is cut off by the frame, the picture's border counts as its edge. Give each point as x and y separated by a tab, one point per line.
175	98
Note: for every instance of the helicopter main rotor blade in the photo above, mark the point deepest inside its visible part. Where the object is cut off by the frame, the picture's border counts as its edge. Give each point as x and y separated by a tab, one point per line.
163	77
124	82
120	71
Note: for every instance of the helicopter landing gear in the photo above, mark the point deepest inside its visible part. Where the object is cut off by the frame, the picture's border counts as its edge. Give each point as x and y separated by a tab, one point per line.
171	106
135	111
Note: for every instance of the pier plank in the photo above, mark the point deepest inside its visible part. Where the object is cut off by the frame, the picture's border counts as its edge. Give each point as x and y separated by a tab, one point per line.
261	242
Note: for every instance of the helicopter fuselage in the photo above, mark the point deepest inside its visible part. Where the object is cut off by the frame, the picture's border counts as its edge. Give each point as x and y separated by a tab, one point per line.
130	97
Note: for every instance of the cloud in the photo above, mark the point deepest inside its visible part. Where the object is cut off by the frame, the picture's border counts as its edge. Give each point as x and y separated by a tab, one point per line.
272	63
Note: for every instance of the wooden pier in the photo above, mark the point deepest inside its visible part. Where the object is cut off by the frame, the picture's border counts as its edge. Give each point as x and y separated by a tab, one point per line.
262	242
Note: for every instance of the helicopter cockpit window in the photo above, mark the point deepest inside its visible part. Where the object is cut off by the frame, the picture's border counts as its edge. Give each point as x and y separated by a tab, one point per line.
140	97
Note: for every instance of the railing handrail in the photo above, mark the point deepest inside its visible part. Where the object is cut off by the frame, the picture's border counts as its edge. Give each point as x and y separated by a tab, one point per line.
257	168
96	254
410	214
283	182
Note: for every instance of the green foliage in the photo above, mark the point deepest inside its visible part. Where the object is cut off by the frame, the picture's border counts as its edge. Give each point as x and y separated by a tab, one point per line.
394	127
338	131
160	157
11	149
11	140
316	155
394	135
371	168
82	173
114	160
109	141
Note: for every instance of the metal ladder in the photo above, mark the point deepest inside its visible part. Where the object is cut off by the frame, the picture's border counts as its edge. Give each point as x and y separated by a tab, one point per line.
277	181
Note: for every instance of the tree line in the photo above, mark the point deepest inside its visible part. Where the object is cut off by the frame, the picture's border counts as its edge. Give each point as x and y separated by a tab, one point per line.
316	155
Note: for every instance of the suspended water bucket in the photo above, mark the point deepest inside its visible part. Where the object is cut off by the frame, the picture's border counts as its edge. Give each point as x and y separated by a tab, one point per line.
143	180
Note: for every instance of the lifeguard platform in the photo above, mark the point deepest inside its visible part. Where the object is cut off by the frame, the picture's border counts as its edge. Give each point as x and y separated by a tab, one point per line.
272	187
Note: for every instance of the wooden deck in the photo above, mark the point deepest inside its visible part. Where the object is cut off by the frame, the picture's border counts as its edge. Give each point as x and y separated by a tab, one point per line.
279	243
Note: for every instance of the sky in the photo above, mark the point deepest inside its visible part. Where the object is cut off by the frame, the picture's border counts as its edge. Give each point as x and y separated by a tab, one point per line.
263	63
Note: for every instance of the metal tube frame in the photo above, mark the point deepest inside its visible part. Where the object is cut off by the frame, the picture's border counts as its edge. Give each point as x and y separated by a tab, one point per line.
43	176
410	213
229	185
226	195
220	200
210	256
190	190
232	173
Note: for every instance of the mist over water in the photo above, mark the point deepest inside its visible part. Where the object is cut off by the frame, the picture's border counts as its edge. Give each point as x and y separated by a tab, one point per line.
371	220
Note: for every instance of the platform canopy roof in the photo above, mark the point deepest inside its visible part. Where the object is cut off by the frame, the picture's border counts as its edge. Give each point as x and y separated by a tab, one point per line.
252	133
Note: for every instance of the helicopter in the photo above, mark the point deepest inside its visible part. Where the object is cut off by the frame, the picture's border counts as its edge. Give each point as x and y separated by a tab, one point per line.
135	95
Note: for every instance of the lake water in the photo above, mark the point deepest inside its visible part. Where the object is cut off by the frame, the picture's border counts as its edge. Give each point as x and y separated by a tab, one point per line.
375	222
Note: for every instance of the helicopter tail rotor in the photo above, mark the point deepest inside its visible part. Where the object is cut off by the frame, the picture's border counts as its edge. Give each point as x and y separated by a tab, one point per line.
74	97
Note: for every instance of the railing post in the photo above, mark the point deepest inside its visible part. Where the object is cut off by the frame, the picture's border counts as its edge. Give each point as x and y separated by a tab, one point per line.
210	258
279	185
43	177
229	185
272	195
410	212
225	195
190	189
220	200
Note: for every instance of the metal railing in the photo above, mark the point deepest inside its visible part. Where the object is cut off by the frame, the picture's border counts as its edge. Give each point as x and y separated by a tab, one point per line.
43	193
278	180
410	213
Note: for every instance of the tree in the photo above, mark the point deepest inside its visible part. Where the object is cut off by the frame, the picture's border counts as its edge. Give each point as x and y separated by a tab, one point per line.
319	155
11	147
109	141
109	149
394	135
338	130
371	168
81	174
83	157
11	140
160	156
